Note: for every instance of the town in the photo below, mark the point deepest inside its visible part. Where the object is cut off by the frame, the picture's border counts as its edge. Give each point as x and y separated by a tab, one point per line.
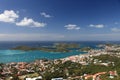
97	64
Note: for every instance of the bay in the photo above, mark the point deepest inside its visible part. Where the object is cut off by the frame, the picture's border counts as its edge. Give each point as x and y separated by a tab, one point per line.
7	55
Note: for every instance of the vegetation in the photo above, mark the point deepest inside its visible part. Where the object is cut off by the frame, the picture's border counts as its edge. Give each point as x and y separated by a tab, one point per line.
27	48
85	49
71	69
65	45
75	69
58	47
110	58
63	70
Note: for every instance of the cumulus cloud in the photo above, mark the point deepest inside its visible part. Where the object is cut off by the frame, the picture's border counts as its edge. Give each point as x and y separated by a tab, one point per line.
30	23
45	15
8	16
97	26
72	27
115	29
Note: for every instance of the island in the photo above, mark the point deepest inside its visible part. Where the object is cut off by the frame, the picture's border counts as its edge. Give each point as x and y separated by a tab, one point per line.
85	49
97	64
57	47
66	45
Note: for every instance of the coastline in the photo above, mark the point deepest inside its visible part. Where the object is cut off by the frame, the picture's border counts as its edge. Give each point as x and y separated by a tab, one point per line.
45	65
29	57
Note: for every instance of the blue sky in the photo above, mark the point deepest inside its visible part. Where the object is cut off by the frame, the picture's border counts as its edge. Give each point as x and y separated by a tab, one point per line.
59	20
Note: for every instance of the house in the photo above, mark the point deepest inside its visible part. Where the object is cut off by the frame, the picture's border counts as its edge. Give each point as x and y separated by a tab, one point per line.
88	76
112	74
35	78
57	79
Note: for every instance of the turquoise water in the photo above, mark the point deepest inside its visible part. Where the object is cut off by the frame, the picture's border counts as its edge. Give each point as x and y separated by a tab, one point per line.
7	56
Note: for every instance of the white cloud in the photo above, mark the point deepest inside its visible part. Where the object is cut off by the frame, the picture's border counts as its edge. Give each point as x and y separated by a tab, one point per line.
92	37
116	23
8	16
45	15
97	26
59	37
115	29
30	23
72	27
31	37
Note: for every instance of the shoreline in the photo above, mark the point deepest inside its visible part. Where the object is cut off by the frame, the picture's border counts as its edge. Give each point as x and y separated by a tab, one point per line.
90	53
44	65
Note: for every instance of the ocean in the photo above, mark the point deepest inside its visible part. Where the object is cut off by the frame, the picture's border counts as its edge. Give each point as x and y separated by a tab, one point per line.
7	55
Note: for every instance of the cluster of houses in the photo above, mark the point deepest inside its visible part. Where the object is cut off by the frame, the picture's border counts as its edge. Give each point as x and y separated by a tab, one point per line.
20	69
23	69
96	76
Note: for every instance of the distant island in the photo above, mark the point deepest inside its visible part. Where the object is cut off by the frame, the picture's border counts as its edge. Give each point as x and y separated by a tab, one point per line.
96	64
85	49
57	47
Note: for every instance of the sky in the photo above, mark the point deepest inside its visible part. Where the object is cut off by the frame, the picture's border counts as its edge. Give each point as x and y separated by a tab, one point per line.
60	20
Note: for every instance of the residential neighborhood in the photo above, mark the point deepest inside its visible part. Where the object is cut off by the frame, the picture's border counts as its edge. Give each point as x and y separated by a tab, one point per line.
69	68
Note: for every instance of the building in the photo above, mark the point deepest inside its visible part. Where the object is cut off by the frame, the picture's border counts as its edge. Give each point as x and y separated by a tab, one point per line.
35	78
57	79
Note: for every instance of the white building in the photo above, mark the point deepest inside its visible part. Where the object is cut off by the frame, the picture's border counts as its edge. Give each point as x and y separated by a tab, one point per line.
57	79
35	78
